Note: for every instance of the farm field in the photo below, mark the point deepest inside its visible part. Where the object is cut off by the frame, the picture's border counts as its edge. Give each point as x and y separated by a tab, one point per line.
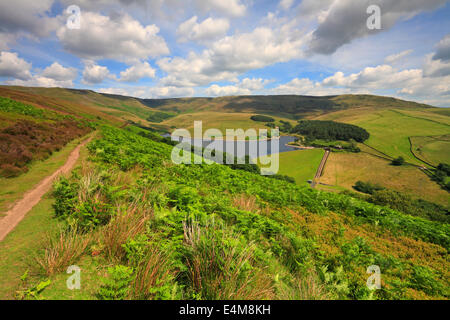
390	129
344	169
301	164
435	149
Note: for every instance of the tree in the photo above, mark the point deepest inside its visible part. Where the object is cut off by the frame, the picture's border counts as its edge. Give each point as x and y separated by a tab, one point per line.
398	161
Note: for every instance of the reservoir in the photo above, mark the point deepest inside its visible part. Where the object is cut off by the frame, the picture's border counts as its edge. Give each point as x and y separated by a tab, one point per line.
263	147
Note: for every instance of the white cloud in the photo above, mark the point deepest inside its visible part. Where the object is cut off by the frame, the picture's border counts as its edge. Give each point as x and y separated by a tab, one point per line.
11	66
137	71
59	73
216	90
94	74
286	4
246	86
38	81
305	86
254	84
118	37
233	8
56	75
150	92
379	77
231	56
398	56
209	29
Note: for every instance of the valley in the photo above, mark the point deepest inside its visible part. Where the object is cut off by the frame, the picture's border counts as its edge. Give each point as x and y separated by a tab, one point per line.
126	208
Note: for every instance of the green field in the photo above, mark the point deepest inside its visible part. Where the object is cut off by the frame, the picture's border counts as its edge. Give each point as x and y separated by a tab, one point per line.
390	129
300	165
344	169
435	149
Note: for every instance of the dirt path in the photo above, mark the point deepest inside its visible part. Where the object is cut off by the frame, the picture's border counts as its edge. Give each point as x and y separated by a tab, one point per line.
320	169
32	197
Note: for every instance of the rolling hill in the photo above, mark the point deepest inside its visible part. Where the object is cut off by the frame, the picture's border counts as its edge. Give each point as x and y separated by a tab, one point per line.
214	231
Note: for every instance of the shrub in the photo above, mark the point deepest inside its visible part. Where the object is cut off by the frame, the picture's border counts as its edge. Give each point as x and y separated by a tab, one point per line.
116	285
183	197
63	250
220	267
65	194
424	279
367	187
127	224
92	213
398	161
10	171
154	278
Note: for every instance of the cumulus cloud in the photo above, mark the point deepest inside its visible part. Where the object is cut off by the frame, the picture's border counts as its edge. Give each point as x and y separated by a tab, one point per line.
137	71
94	74
151	92
231	56
18	70
208	29
246	86
118	37
59	73
305	86
11	66
435	68
443	49
233	8
27	17
346	20
379	77
216	90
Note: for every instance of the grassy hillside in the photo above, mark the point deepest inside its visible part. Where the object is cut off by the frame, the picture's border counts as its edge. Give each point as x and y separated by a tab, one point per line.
210	232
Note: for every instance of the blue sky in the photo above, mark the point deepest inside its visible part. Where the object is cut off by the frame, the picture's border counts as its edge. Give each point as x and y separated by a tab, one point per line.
174	48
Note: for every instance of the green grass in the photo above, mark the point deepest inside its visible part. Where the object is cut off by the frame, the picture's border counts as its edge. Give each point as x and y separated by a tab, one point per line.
434	149
20	246
301	165
390	129
344	169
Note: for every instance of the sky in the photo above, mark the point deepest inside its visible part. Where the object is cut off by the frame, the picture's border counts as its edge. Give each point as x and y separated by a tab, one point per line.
184	48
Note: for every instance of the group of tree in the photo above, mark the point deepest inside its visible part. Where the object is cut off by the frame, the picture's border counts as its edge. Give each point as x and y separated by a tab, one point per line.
441	173
402	202
262	118
330	130
159	116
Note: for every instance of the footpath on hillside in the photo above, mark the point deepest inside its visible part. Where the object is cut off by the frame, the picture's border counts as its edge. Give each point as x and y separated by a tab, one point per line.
32	197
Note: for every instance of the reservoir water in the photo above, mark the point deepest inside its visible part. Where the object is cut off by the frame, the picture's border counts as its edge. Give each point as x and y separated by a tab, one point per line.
253	149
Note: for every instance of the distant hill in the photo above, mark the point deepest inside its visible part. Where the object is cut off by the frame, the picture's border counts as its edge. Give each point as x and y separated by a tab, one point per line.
118	108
